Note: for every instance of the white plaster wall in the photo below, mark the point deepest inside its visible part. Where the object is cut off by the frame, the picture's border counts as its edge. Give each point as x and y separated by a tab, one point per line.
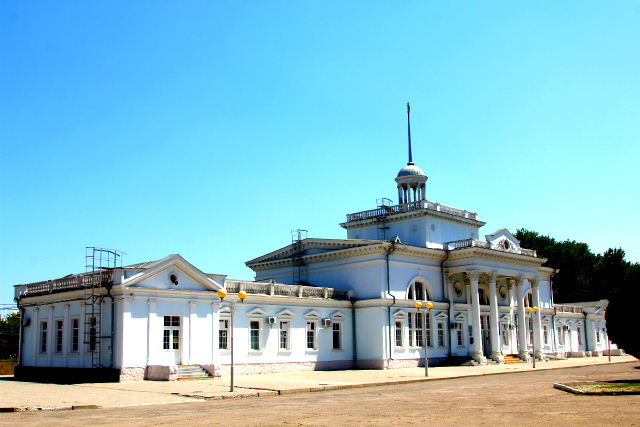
372	333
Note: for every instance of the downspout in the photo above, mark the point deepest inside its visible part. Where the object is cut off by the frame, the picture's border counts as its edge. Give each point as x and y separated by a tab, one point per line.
21	337
553	316
393	248
113	323
353	326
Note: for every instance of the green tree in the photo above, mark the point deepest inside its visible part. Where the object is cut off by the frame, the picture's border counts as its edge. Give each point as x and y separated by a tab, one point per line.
10	324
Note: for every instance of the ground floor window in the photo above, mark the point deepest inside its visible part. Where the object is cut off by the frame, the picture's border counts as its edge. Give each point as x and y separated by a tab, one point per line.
579	335
598	334
459	334
43	337
223	335
75	334
93	333
171	333
254	335
285	327
418	322
337	335
399	338
560	337
505	334
441	334
530	331
545	334
59	336
311	335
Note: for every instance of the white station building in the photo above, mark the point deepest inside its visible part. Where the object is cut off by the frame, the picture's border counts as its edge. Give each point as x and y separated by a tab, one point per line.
316	304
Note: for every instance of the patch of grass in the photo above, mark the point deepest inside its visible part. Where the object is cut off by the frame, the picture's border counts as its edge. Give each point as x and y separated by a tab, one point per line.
609	387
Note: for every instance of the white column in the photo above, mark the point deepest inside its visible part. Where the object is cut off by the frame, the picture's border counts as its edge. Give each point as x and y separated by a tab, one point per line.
193	311
82	347
474	275
522	323
51	334
453	344
215	327
494	323
154	344
537	324
399	194
467	289
66	327
36	335
127	302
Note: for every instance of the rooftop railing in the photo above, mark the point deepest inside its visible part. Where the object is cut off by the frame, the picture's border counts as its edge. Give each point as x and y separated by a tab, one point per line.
408	207
79	281
265	288
568	309
475	243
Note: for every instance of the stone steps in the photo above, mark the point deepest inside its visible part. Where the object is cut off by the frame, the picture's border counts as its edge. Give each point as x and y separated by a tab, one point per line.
192	372
511	358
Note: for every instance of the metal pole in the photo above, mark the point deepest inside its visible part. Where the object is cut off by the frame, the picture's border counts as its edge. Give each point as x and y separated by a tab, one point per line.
424	341
608	343
232	367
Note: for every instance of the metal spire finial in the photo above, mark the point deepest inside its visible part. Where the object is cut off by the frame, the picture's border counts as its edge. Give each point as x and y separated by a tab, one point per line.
409	128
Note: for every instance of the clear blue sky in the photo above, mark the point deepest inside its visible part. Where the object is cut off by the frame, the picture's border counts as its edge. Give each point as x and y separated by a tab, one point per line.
212	129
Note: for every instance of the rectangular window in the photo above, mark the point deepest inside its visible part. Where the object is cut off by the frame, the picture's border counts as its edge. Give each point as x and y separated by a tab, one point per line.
579	335
428	328
530	331
311	335
254	335
399	340
176	339
75	334
598	334
337	335
545	333
505	334
92	333
411	331
223	335
560	337
440	334
285	331
166	340
43	337
419	341
459	334
58	336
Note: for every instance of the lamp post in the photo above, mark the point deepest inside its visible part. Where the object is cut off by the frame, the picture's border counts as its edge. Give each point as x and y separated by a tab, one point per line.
242	295
606	331
428	307
535	310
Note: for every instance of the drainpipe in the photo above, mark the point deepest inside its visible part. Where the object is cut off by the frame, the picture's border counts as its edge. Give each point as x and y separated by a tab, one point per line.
353	326
553	316
393	248
113	323
21	336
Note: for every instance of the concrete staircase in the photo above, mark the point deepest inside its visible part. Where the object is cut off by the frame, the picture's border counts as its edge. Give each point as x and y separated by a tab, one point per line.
512	358
192	372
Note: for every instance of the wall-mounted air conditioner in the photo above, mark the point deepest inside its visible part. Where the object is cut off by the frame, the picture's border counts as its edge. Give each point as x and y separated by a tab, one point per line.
271	320
326	323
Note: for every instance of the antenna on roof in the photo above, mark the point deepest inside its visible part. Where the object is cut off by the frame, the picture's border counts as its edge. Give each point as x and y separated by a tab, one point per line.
409	130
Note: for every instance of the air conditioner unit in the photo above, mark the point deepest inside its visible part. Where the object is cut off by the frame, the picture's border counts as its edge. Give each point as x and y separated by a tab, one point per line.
326	322
565	328
271	320
26	321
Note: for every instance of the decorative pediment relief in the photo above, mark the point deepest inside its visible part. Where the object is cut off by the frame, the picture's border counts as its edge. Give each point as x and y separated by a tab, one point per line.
546	318
337	316
441	316
312	315
460	317
256	312
225	311
286	314
400	314
505	318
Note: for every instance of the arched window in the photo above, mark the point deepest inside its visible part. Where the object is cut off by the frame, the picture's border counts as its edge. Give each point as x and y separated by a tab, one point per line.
417	291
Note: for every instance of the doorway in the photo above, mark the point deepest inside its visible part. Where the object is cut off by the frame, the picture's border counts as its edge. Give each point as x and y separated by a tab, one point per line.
171	339
486	336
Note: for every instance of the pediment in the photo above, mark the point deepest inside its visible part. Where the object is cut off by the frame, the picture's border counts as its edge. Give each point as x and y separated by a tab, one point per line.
257	312
441	316
337	316
400	313
285	313
505	318
460	317
172	273
546	318
312	315
503	240
225	311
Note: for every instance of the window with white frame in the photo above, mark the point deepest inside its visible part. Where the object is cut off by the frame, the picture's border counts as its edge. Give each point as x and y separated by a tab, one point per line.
284	332
579	329
412	332
441	334
529	331
43	336
93	331
459	333
545	334
598	334
418	323
254	335
75	334
560	337
59	330
312	327
223	334
337	335
428	329
399	337
505	334
417	291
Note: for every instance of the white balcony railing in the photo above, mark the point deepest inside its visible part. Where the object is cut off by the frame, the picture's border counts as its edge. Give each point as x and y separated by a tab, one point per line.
407	207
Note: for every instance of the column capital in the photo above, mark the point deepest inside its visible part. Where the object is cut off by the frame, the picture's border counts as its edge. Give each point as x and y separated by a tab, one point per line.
518	280
491	277
534	281
450	278
474	275
193	303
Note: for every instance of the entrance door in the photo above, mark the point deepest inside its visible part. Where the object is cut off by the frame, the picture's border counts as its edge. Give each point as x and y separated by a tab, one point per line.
171	339
486	336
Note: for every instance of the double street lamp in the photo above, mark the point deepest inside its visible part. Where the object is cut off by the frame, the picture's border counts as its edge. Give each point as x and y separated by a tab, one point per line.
535	310
242	295
428	307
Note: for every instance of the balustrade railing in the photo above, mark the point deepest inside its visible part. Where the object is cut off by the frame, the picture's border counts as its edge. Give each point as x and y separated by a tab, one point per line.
70	283
407	207
569	309
235	286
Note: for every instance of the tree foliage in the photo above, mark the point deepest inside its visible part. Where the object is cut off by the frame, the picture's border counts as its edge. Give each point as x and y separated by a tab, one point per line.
585	276
10	324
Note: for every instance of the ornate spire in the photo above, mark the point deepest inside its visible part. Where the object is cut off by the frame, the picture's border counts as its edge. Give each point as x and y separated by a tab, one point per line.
409	128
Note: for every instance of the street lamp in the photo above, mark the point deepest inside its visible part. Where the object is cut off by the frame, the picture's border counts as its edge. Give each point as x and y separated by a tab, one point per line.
535	310
242	295
428	307
606	331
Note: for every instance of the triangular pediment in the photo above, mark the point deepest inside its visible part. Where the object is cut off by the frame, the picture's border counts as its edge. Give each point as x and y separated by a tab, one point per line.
312	315
505	318
460	317
285	313
337	316
503	240
400	313
441	316
225	311
257	312
172	273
